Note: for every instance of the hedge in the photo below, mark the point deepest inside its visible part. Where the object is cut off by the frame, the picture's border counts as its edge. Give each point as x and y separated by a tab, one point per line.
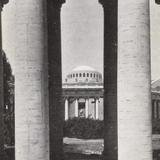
156	126
84	128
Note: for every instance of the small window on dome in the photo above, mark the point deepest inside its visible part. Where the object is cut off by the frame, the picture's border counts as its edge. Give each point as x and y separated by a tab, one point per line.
83	74
94	75
76	74
91	75
80	75
73	75
87	74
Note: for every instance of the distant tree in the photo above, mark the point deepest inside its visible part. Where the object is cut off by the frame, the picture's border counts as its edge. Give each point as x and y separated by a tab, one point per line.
8	102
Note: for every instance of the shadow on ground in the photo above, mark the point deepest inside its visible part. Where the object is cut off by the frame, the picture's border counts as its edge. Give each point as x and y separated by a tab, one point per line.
78	156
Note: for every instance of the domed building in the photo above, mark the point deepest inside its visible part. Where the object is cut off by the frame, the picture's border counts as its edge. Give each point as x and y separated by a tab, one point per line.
83	93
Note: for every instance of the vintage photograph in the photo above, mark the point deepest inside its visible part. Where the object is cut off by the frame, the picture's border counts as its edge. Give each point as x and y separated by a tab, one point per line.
80	80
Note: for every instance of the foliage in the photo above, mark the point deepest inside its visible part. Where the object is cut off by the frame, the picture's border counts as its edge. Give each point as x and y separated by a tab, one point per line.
84	128
156	126
8	102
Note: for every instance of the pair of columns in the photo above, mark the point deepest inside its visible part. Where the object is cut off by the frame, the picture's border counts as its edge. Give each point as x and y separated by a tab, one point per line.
127	99
96	109
156	109
77	110
87	108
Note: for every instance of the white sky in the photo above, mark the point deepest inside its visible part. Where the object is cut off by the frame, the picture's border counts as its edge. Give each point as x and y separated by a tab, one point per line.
82	35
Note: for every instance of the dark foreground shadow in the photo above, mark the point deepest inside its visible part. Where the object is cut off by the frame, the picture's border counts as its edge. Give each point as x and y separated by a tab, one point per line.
78	156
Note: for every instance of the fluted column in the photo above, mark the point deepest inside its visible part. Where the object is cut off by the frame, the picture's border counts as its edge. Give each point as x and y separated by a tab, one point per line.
134	79
110	78
76	108
87	108
56	109
66	109
97	109
2	153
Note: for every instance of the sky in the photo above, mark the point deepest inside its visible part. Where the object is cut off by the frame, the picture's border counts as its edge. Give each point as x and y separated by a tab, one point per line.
82	35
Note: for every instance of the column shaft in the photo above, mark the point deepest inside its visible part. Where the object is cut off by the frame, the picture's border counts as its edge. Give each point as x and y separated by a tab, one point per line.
31	78
76	108
158	109
97	109
66	109
110	79
56	109
155	109
1	95
87	108
134	79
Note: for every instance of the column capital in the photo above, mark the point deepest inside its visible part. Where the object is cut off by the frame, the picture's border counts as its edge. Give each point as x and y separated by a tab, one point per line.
58	3
3	2
157	1
102	2
106	3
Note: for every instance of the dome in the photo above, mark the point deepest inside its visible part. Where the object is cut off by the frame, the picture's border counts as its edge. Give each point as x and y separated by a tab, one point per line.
84	75
83	68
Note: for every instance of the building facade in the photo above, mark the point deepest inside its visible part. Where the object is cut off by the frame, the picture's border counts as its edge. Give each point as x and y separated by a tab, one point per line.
83	94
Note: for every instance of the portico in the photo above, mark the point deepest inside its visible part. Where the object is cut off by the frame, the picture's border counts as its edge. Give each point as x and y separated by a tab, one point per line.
86	103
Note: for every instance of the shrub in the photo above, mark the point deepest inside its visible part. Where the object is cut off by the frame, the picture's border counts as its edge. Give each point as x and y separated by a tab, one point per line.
84	128
156	126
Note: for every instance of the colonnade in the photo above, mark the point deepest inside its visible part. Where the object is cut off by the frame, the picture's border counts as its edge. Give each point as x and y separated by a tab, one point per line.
96	109
38	88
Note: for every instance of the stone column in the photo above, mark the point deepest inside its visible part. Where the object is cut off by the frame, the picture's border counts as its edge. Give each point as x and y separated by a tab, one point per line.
66	109
110	78
158	109
2	153
96	109
134	80
76	108
155	109
87	108
56	109
31	78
